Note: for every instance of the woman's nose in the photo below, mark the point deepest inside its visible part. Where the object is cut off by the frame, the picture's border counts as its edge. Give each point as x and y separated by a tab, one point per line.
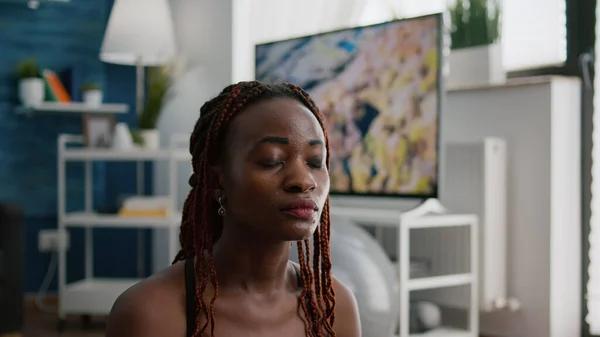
299	178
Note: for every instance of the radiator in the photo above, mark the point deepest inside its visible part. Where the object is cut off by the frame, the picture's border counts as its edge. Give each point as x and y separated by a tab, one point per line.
474	182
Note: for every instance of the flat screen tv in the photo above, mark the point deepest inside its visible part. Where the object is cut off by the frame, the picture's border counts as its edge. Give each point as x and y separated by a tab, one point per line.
379	88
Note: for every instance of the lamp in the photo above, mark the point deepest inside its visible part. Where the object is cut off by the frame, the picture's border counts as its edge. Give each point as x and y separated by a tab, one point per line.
139	33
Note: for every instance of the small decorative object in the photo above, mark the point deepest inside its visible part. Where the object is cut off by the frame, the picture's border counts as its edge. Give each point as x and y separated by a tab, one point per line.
92	94
31	85
122	139
159	81
476	53
55	88
98	130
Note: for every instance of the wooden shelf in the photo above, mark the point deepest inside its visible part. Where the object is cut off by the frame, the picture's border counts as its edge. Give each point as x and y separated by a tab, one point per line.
75	108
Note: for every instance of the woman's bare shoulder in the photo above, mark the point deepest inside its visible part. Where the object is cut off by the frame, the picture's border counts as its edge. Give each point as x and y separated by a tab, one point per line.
152	307
347	320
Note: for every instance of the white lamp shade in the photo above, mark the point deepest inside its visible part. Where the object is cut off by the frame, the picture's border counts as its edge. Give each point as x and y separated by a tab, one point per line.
139	32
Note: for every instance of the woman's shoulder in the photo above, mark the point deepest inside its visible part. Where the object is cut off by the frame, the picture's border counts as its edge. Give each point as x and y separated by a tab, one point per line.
152	307
347	320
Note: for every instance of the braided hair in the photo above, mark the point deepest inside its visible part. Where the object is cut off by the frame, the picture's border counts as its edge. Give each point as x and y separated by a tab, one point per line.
201	227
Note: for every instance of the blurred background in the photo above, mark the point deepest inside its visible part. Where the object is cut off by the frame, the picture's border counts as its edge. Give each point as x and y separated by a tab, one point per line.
462	137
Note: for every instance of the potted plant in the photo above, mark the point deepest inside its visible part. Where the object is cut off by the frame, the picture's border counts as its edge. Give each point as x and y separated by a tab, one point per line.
92	93
31	85
476	53
136	137
159	82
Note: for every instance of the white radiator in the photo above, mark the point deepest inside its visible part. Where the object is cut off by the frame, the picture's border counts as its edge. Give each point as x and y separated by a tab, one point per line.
474	182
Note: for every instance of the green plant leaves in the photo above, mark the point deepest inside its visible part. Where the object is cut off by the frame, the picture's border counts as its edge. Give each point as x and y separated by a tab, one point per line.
474	23
28	68
159	82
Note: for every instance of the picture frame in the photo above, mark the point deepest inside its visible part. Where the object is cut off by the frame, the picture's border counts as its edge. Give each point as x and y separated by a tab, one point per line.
98	130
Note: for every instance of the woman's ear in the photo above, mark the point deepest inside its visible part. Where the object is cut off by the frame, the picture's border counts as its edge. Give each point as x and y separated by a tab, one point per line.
217	172
219	190
218	194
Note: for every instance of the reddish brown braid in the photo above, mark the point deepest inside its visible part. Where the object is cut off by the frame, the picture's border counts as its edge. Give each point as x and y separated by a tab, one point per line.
201	227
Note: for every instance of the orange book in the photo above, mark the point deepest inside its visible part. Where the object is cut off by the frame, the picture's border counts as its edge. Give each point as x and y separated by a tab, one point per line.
56	86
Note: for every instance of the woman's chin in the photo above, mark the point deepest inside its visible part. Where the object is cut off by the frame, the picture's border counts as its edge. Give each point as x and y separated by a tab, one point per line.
300	231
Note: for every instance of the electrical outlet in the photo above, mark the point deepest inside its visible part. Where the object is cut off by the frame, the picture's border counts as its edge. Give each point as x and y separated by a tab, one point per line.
51	240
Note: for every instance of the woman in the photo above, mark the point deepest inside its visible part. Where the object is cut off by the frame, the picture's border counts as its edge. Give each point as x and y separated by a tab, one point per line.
260	161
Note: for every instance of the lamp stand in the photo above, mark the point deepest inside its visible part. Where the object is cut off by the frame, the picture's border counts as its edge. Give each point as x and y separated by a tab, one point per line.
139	107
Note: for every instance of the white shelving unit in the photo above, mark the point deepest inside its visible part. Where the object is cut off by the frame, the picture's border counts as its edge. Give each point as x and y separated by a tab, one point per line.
430	214
73	108
95	296
33	4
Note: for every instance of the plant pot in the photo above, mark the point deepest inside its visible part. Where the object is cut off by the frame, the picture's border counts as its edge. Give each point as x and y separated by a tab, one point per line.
151	139
31	91
476	66
92	97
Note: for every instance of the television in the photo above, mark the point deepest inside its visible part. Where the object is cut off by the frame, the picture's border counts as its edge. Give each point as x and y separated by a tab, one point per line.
379	89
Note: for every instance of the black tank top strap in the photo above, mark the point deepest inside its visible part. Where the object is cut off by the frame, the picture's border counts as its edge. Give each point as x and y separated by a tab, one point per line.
190	297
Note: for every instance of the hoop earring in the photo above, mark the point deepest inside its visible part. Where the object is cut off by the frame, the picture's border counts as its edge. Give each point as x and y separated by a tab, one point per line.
221	210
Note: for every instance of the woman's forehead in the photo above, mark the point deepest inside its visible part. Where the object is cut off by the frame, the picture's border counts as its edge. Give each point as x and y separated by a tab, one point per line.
280	117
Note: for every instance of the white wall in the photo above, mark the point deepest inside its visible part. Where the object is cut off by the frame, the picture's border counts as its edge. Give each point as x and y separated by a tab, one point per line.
540	122
204	34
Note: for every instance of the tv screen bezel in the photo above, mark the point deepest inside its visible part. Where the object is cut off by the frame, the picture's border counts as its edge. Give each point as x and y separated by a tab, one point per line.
439	17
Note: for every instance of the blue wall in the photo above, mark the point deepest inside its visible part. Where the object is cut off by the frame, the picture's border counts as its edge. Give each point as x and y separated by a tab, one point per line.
61	36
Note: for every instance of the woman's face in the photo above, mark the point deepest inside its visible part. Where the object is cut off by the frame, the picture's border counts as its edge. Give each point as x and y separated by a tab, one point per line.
274	176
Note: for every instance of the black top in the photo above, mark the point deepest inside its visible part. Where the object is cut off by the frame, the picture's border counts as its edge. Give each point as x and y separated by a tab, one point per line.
190	294
190	297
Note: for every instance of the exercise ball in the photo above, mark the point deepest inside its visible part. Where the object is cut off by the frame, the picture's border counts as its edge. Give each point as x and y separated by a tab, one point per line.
359	262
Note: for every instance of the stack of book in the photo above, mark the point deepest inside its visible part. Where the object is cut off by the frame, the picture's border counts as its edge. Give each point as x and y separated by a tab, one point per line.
146	206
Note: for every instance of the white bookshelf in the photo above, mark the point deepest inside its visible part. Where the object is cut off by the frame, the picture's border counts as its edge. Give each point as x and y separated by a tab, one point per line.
73	108
430	214
33	4
84	219
444	332
78	296
123	155
92	295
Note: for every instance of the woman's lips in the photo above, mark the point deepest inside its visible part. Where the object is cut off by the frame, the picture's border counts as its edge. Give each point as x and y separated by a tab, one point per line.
304	208
301	213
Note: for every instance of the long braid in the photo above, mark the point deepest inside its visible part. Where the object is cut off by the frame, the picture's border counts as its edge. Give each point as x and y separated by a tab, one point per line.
323	281
329	295
306	290
201	227
314	307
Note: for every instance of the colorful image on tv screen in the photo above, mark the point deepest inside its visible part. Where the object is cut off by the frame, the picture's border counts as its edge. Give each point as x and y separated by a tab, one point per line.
378	90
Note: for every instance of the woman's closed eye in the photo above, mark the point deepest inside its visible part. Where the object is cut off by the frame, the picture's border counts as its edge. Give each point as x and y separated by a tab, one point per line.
316	162
271	163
